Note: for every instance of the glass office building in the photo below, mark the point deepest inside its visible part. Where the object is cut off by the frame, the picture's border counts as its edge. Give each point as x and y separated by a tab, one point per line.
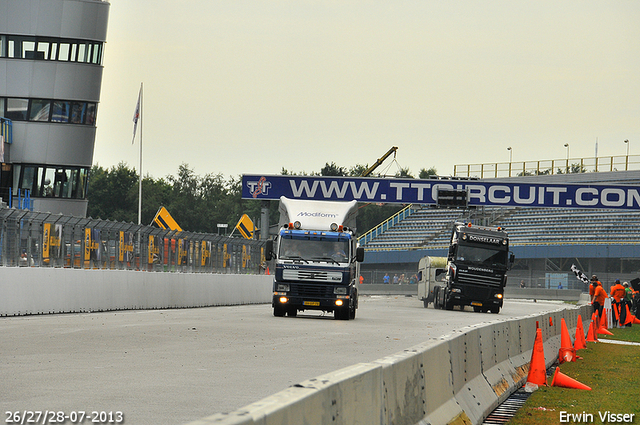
51	62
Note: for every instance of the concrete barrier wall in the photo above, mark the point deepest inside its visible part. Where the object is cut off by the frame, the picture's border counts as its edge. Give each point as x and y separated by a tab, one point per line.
457	379
34	290
509	292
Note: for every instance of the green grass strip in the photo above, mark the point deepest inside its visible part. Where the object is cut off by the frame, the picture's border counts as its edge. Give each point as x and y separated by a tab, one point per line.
613	373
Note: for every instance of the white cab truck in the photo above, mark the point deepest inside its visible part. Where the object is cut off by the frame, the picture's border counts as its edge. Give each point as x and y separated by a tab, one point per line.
475	270
317	258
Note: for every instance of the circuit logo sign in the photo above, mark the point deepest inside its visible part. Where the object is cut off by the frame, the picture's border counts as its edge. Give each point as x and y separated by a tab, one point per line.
259	187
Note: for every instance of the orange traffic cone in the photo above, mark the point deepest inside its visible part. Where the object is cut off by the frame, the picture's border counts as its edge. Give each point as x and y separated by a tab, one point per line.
268	270
630	316
567	353
580	342
562	380
537	369
616	311
550	321
603	330
591	335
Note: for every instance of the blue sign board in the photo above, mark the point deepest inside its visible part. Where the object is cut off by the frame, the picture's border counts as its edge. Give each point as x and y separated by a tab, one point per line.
414	191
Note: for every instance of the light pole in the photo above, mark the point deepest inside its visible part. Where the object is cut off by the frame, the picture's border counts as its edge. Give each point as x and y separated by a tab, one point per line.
626	166
626	142
510	158
566	145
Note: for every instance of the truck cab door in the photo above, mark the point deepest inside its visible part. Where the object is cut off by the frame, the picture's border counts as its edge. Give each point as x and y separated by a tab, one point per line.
268	250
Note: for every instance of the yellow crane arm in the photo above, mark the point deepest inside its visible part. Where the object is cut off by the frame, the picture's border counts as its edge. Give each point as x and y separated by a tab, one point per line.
379	161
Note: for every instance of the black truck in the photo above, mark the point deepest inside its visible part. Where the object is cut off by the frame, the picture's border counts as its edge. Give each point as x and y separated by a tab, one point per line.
477	265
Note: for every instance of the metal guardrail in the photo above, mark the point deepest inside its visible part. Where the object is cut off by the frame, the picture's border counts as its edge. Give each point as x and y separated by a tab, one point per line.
36	239
546	167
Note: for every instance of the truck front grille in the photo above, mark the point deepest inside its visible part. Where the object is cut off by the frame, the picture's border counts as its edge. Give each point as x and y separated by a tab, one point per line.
466	278
312	275
303	290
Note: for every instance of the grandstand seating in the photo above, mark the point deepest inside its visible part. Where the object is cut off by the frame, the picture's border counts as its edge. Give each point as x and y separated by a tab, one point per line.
430	227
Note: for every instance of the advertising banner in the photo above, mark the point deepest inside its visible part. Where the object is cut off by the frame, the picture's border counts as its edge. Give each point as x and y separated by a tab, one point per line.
416	191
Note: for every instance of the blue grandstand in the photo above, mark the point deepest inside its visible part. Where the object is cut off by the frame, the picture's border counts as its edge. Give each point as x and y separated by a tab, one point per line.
546	241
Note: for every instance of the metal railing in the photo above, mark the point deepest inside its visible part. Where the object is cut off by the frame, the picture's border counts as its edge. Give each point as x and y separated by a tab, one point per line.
387	224
36	239
546	167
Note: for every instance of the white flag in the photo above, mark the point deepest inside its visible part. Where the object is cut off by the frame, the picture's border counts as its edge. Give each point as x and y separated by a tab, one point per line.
136	114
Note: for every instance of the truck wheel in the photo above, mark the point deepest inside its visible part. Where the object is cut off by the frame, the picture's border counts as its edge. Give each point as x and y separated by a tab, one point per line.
425	302
436	297
352	312
278	310
448	304
495	310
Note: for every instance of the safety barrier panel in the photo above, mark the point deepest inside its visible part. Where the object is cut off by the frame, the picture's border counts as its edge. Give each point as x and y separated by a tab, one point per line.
456	379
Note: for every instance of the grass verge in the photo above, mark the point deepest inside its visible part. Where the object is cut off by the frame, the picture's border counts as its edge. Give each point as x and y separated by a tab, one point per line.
613	373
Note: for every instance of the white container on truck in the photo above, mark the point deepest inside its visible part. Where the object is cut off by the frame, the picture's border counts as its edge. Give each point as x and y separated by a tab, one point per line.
317	258
431	272
476	270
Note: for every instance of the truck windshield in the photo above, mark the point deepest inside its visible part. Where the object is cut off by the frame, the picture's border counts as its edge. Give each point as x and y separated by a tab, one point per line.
486	256
336	250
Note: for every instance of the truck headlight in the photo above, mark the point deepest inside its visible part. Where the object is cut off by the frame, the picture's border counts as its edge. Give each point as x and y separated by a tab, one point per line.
458	290
282	287
499	296
340	290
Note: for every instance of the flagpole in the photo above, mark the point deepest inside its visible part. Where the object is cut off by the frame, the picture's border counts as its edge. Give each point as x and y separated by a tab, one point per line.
140	177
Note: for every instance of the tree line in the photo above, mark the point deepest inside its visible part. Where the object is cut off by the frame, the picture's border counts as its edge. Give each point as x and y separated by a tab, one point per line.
200	203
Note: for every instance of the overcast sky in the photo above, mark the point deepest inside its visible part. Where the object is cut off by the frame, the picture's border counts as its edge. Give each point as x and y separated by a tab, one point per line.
249	87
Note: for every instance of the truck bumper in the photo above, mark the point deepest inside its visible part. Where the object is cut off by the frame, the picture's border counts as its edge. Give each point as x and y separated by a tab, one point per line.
309	303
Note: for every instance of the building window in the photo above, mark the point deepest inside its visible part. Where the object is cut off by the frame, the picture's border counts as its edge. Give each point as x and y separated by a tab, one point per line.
63	54
43	50
91	114
78	111
29	179
47	110
60	111
16	109
51	182
49	48
40	110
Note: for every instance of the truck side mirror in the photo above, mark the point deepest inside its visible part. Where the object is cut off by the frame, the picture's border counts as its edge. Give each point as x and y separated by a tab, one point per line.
359	254
268	250
452	250
512	257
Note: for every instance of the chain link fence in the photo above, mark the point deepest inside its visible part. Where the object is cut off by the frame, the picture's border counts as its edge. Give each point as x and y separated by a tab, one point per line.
36	239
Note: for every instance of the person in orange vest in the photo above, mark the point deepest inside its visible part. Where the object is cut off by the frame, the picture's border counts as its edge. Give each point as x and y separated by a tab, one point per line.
594	283
618	293
597	300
